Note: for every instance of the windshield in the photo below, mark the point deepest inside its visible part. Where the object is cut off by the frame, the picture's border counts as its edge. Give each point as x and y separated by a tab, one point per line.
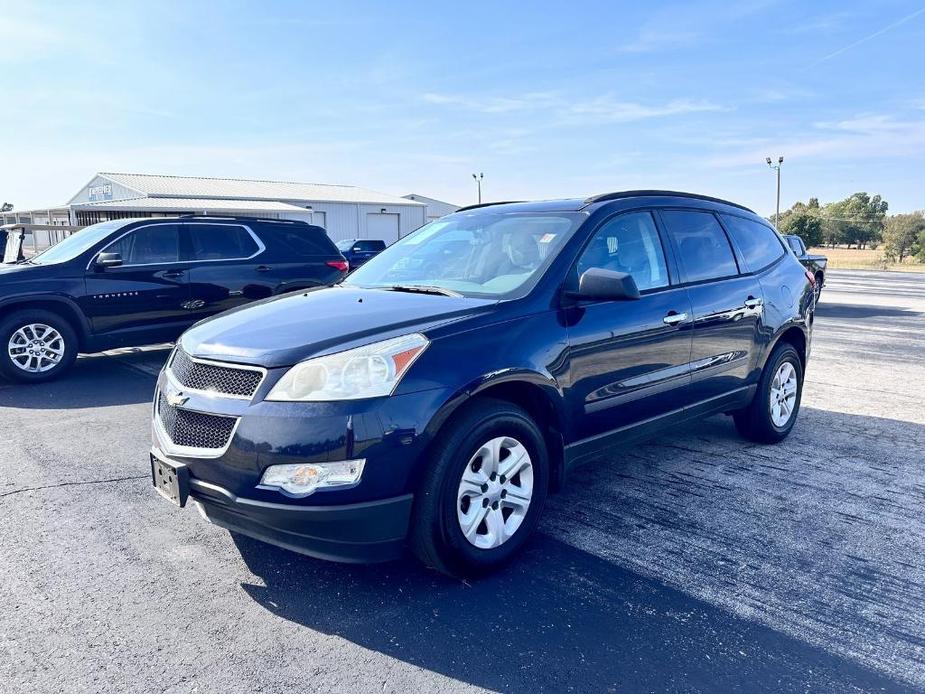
78	242
482	254
344	245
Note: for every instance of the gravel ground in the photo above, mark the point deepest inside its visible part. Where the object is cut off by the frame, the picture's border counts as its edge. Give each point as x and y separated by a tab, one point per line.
700	563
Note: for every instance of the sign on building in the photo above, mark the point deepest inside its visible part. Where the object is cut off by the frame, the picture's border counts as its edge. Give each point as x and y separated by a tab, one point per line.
101	192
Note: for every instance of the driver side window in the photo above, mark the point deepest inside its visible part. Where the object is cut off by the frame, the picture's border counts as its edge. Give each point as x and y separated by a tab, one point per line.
159	243
628	243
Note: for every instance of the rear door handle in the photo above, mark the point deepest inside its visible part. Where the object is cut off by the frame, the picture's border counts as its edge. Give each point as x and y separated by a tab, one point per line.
752	302
263	268
673	318
173	274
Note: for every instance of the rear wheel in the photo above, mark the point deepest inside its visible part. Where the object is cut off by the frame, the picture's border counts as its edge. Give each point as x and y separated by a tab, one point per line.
484	491
773	411
819	282
36	346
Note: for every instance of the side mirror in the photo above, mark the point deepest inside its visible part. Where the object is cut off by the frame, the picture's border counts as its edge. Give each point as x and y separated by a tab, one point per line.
105	260
597	283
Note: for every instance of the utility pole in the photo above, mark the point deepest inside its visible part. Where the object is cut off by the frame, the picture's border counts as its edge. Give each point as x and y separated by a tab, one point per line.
478	180
776	167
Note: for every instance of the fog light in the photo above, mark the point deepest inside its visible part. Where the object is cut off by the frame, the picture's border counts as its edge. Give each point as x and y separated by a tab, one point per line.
301	479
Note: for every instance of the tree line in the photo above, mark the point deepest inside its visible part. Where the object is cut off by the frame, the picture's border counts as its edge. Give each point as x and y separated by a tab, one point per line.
859	221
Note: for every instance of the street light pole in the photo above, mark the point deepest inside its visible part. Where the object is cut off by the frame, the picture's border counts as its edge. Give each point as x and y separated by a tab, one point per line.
478	180
776	167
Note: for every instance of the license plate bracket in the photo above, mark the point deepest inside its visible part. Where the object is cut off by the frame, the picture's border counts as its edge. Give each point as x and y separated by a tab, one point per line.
171	480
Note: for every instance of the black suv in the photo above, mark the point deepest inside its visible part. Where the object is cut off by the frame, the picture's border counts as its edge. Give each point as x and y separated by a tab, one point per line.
437	394
141	281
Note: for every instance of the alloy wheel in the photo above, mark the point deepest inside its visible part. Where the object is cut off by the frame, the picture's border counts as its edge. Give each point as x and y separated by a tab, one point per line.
36	348
495	492
783	394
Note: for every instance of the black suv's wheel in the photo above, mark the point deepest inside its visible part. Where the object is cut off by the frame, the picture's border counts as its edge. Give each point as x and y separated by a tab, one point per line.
36	346
773	411
483	492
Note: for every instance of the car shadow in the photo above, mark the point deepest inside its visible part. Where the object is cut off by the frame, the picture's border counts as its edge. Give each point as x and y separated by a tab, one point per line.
100	380
562	618
862	311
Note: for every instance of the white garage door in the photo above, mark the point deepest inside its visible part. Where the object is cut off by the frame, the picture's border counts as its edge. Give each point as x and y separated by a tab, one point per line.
382	226
318	219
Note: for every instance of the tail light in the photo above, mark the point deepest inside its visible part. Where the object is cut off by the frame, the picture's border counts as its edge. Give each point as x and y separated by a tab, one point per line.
811	277
341	265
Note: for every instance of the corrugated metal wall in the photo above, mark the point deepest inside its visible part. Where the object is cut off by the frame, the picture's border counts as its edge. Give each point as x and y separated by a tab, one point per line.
349	220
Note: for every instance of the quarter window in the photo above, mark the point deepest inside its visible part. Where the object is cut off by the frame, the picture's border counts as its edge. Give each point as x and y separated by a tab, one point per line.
702	244
759	244
221	242
159	243
628	243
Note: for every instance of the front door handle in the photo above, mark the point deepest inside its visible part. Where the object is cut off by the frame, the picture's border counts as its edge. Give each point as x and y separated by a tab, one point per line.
173	274
673	318
263	268
752	302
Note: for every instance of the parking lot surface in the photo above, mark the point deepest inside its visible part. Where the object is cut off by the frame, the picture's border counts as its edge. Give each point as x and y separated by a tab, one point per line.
699	562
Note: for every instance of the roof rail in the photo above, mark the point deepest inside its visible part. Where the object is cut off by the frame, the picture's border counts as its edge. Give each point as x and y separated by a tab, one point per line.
604	197
488	204
239	218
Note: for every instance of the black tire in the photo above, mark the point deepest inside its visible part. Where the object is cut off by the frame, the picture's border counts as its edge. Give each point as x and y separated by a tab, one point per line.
15	321
819	282
755	422
436	537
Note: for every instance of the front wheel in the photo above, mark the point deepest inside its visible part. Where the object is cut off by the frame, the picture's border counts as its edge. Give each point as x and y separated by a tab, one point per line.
483	492
773	411
36	346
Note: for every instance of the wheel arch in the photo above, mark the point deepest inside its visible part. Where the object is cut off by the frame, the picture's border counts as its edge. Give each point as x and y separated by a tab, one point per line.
63	307
537	394
795	336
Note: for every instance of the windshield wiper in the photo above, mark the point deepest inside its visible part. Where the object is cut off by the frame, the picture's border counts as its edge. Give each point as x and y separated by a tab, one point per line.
422	289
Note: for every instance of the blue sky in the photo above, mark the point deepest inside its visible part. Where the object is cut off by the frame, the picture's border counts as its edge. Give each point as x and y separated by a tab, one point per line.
548	99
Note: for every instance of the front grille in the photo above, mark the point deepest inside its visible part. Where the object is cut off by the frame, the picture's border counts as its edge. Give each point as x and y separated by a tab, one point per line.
194	429
228	380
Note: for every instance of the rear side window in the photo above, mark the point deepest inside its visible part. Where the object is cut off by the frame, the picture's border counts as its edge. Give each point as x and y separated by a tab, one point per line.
220	242
371	245
759	244
795	244
702	244
301	240
159	243
628	243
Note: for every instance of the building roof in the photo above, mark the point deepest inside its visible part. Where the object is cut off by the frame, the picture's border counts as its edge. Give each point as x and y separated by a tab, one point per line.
238	188
432	201
170	204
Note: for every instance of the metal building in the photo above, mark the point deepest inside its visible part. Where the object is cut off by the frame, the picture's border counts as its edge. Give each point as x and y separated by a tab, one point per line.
346	212
435	208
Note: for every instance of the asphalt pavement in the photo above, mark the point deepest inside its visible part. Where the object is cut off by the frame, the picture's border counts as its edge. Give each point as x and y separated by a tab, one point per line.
698	563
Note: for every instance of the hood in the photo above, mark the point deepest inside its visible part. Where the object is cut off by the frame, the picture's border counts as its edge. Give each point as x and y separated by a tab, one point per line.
285	330
10	272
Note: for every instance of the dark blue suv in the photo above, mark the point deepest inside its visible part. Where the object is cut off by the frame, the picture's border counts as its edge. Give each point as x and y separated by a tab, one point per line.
434	397
358	251
141	281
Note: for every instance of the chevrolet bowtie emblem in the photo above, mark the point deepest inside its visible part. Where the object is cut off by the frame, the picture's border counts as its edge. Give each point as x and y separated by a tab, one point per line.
177	398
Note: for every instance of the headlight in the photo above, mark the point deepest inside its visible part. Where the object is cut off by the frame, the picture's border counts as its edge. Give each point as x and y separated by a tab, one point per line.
365	372
301	479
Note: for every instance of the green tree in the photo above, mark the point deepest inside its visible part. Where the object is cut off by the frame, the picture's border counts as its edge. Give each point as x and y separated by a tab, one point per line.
856	220
803	220
900	233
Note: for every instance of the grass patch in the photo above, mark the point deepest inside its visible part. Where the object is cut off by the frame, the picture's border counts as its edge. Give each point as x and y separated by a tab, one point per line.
865	259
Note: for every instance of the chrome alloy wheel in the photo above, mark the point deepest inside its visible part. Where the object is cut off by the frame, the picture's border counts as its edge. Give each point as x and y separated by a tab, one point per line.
494	493
783	396
36	348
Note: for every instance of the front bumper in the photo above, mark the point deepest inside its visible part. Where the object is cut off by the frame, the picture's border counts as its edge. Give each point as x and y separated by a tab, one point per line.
372	531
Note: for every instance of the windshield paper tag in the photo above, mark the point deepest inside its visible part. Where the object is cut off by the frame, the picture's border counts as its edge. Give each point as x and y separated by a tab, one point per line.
547	238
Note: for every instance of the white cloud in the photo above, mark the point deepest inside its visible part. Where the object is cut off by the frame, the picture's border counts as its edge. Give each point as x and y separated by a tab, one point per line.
559	110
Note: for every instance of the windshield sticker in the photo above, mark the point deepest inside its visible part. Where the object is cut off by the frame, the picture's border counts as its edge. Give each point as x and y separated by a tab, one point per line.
547	238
